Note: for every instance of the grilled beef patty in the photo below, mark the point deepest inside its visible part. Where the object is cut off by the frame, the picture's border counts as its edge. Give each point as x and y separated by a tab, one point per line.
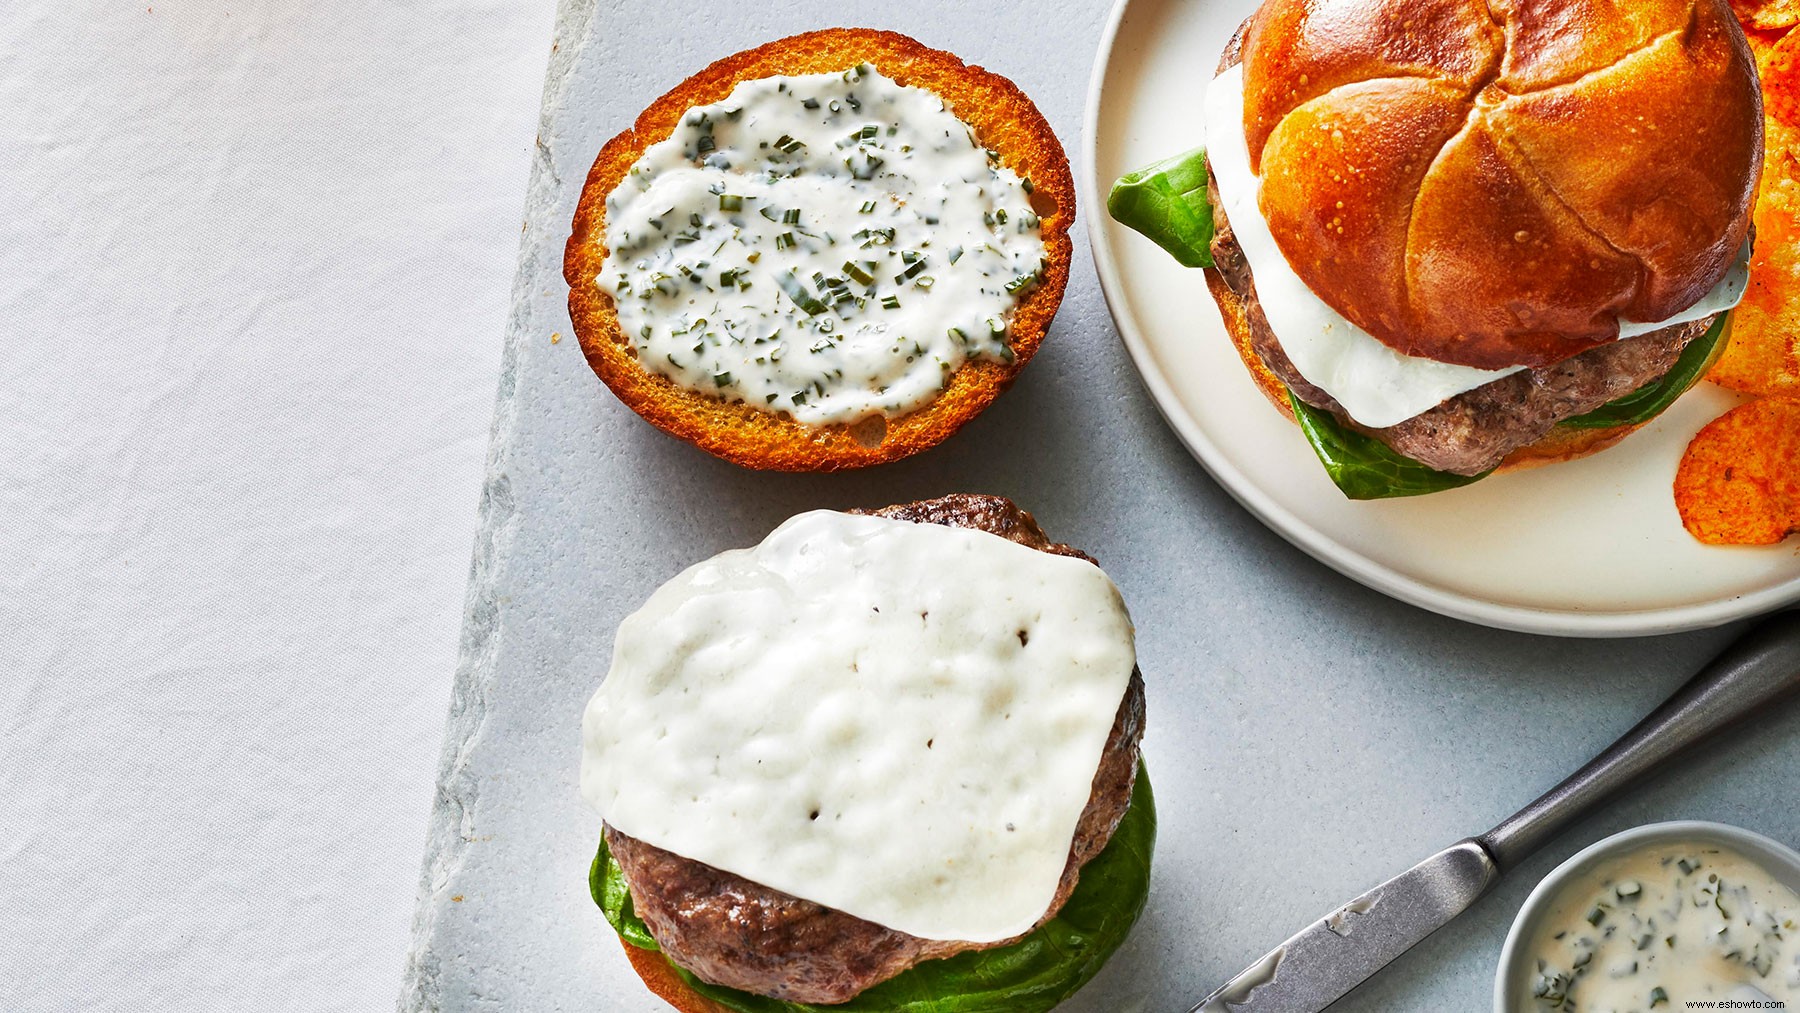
730	931
1473	431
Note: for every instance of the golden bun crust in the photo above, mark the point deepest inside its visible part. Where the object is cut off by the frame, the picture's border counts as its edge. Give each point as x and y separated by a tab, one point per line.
665	984
1237	324
1496	183
1562	444
1004	120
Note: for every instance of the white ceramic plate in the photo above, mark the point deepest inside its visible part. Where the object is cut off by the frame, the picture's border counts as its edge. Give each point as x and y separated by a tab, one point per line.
1589	548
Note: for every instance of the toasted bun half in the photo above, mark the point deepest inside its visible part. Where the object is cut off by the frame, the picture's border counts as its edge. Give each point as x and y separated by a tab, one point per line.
662	980
1004	120
1560	445
1496	182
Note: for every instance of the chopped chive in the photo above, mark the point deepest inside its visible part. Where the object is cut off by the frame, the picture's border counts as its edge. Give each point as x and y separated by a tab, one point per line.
788	144
785	240
856	271
868	206
797	291
791	216
731	202
1021	283
891	302
722	379
811	103
956	254
917	265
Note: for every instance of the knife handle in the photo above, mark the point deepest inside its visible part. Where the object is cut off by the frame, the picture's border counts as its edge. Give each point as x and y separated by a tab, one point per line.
1757	670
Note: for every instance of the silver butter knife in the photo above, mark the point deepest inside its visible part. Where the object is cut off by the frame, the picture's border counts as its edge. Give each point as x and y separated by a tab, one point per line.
1335	954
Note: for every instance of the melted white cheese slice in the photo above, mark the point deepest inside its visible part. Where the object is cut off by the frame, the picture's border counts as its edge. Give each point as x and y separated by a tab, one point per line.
1375	384
900	721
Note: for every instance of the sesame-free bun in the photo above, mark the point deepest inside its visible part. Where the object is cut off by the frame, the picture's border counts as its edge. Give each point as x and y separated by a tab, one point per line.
1003	119
1496	182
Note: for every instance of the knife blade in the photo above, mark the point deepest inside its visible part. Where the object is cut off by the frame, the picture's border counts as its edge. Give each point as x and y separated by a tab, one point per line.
1333	955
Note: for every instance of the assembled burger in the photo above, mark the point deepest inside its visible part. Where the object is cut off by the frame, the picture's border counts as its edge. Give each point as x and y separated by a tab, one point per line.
1453	236
879	762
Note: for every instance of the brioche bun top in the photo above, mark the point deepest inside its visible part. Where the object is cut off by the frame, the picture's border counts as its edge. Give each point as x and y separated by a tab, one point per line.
1498	183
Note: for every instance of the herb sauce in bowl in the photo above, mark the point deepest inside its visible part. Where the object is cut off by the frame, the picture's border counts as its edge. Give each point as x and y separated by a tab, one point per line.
1656	925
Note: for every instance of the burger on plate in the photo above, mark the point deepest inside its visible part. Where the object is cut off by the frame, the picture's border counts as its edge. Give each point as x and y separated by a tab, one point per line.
1453	236
879	762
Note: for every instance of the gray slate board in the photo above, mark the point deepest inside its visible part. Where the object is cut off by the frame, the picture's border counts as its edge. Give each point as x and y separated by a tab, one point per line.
1308	737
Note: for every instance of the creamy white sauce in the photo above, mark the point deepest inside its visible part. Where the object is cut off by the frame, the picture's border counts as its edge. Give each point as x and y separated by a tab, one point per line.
833	246
1662	927
901	721
1375	384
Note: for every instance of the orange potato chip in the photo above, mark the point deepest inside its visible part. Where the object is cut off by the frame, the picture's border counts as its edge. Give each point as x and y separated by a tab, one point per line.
1766	15
1739	481
1778	62
1764	355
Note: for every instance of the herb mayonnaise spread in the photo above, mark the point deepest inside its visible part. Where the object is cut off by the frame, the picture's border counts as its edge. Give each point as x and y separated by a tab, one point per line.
899	721
832	246
1666	928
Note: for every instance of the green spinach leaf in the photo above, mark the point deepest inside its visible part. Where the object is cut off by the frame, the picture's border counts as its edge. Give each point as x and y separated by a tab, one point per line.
1363	466
1168	203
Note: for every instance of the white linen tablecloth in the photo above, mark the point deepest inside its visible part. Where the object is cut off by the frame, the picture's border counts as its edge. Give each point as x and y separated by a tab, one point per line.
255	263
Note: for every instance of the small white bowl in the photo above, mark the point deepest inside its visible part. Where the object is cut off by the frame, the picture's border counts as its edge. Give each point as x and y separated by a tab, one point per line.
1779	860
